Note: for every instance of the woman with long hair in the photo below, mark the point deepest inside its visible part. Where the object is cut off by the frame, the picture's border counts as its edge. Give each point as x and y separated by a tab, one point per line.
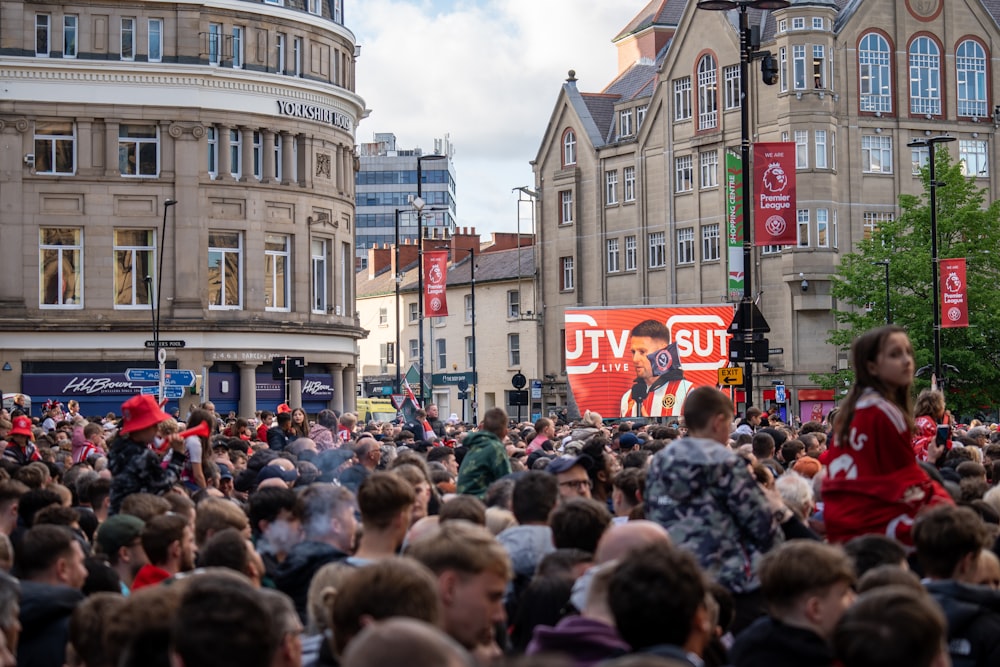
874	483
300	424
930	418
197	448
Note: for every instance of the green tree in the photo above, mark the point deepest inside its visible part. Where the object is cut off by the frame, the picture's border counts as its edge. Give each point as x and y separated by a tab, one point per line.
967	227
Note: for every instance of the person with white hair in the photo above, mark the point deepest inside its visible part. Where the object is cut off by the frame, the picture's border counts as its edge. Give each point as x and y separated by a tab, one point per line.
797	493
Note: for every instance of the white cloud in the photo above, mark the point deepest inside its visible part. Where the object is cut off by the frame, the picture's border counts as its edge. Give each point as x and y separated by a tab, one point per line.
487	73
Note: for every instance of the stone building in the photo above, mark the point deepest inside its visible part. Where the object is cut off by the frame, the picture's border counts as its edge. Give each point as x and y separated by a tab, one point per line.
243	113
631	179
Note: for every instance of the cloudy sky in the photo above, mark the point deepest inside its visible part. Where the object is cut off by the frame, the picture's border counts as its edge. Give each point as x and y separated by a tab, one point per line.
486	72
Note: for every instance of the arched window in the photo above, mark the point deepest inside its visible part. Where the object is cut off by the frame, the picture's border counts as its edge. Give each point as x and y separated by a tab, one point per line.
970	72
925	77
708	93
569	148
875	70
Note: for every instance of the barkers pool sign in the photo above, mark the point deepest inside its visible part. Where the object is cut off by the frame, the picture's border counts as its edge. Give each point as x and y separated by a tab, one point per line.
316	113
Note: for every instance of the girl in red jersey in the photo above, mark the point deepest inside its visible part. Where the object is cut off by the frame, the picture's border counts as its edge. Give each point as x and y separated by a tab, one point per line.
874	484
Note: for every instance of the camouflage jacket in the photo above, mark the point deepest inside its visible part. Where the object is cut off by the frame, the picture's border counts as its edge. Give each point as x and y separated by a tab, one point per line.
705	497
485	463
136	468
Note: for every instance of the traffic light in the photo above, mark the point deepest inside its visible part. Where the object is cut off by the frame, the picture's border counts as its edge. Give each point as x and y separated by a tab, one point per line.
769	70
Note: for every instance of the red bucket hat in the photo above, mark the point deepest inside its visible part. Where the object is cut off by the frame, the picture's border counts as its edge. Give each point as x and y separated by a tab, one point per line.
141	412
22	426
284	407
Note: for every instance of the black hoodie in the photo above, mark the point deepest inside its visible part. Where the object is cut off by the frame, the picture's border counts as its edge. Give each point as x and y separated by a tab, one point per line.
768	642
45	612
973	614
295	574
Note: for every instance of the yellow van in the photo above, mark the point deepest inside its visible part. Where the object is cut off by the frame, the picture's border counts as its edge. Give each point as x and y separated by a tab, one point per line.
376	409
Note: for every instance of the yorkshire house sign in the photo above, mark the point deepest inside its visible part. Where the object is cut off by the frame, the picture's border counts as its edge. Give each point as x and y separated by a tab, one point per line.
316	113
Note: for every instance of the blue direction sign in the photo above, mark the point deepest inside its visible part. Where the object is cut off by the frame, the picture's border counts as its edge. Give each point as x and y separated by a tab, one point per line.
178	378
168	391
143	375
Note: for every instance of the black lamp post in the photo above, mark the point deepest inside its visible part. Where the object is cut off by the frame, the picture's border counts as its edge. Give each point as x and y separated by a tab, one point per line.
398	278
930	143
418	204
747	54
888	311
160	358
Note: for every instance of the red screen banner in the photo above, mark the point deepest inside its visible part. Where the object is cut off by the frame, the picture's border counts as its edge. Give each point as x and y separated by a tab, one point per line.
774	194
954	295
606	364
436	283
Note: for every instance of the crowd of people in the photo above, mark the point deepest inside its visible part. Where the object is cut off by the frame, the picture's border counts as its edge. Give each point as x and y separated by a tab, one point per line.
869	538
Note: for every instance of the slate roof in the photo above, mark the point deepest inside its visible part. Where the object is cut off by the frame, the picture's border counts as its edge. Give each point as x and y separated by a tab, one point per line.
602	110
657	12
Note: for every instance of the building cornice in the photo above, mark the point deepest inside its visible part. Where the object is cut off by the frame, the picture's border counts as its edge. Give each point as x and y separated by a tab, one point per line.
203	87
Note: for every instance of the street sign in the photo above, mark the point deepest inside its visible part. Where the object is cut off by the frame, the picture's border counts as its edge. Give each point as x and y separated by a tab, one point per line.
153	391
731	377
779	394
453	379
518	397
755	351
397	401
143	375
536	389
518	381
178	378
748	318
775	350
173	392
150	344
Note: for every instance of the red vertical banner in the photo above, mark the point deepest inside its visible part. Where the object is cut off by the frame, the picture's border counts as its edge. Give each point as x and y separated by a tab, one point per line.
774	194
436	283
954	295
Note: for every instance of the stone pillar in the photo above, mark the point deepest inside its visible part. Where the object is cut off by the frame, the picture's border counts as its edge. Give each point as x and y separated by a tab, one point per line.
223	144
350	384
295	393
306	161
338	401
248	388
338	166
185	273
15	140
111	149
348	169
247	167
267	156
85	147
287	158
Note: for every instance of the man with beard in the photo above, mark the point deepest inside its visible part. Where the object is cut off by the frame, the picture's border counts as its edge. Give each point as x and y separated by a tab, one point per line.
660	387
168	541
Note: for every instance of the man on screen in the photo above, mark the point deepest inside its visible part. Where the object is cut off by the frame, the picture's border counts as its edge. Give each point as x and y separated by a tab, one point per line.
660	387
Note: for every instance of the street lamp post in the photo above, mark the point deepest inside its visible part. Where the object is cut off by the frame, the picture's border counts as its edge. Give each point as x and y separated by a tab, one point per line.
398	278
930	143
161	357
418	204
475	374
747	54
888	310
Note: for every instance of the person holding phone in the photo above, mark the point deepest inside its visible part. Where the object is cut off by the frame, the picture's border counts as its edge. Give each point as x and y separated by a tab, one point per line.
931	424
660	388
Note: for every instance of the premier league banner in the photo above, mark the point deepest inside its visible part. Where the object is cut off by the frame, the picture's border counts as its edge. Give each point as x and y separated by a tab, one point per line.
436	283
774	193
954	295
641	362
